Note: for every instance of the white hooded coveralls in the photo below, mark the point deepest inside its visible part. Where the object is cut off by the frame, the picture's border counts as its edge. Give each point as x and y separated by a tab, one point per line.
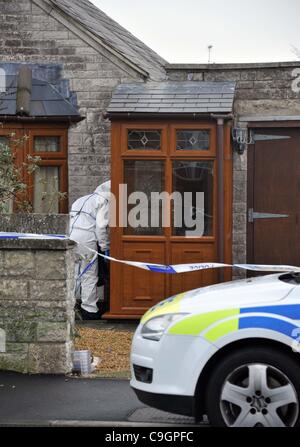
89	225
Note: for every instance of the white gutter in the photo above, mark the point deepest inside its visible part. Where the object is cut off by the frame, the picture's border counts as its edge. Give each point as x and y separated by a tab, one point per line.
259	118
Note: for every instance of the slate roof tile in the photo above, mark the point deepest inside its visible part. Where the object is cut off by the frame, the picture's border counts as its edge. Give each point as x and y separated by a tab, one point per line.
114	35
46	100
173	97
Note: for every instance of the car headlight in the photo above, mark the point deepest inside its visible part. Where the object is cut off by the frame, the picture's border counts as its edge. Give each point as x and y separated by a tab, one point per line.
156	327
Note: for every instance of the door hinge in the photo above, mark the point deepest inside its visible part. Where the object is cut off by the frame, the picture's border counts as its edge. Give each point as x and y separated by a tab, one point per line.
260	137
253	215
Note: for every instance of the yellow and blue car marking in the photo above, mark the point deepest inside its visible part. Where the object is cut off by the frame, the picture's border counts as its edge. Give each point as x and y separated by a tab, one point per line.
214	325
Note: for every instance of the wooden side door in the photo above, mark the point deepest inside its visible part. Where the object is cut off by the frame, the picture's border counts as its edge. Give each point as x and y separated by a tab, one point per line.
274	197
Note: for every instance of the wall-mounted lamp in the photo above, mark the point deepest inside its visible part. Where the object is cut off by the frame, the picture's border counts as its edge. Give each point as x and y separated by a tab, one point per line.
241	138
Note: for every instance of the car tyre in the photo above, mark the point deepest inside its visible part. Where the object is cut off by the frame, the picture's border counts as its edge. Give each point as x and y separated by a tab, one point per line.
254	386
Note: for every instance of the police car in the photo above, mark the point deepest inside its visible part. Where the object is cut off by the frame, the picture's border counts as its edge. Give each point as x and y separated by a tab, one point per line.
229	351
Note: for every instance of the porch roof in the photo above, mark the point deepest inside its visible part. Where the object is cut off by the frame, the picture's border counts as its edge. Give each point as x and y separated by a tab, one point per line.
173	97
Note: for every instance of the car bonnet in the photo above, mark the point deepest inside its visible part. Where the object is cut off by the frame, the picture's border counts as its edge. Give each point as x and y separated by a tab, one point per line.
235	294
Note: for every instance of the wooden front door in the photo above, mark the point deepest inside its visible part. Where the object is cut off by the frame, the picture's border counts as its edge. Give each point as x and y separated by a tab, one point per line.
274	197
165	157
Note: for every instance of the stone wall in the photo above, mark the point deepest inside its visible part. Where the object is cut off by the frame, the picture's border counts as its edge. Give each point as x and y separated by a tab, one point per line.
239	212
37	305
29	34
35	223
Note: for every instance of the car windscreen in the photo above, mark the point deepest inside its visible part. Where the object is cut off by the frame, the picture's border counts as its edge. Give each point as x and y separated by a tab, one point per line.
291	278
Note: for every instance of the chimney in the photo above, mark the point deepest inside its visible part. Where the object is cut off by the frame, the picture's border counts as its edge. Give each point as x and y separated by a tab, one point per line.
24	87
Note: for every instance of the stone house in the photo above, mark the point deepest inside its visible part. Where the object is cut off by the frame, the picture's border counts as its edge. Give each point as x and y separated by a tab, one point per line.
104	105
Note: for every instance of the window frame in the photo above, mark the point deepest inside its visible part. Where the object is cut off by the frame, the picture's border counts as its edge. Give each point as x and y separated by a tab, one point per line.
62	154
168	154
59	159
63	182
211	152
133	153
203	238
164	171
20	157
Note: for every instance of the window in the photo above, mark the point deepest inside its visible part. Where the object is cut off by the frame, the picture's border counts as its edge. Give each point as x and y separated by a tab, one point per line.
144	139
46	189
8	206
46	144
47	183
194	178
192	140
144	177
50	179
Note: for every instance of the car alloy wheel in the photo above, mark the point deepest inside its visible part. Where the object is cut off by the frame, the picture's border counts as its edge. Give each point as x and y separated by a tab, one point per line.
258	395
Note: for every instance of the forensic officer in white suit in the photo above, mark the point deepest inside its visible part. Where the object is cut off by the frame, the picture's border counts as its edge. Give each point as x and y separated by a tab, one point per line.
89	226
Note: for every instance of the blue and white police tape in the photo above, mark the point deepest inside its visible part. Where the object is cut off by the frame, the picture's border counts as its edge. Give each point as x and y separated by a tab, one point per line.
158	268
9	235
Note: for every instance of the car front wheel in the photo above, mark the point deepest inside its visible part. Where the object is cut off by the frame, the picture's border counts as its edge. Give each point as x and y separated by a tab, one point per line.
255	387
